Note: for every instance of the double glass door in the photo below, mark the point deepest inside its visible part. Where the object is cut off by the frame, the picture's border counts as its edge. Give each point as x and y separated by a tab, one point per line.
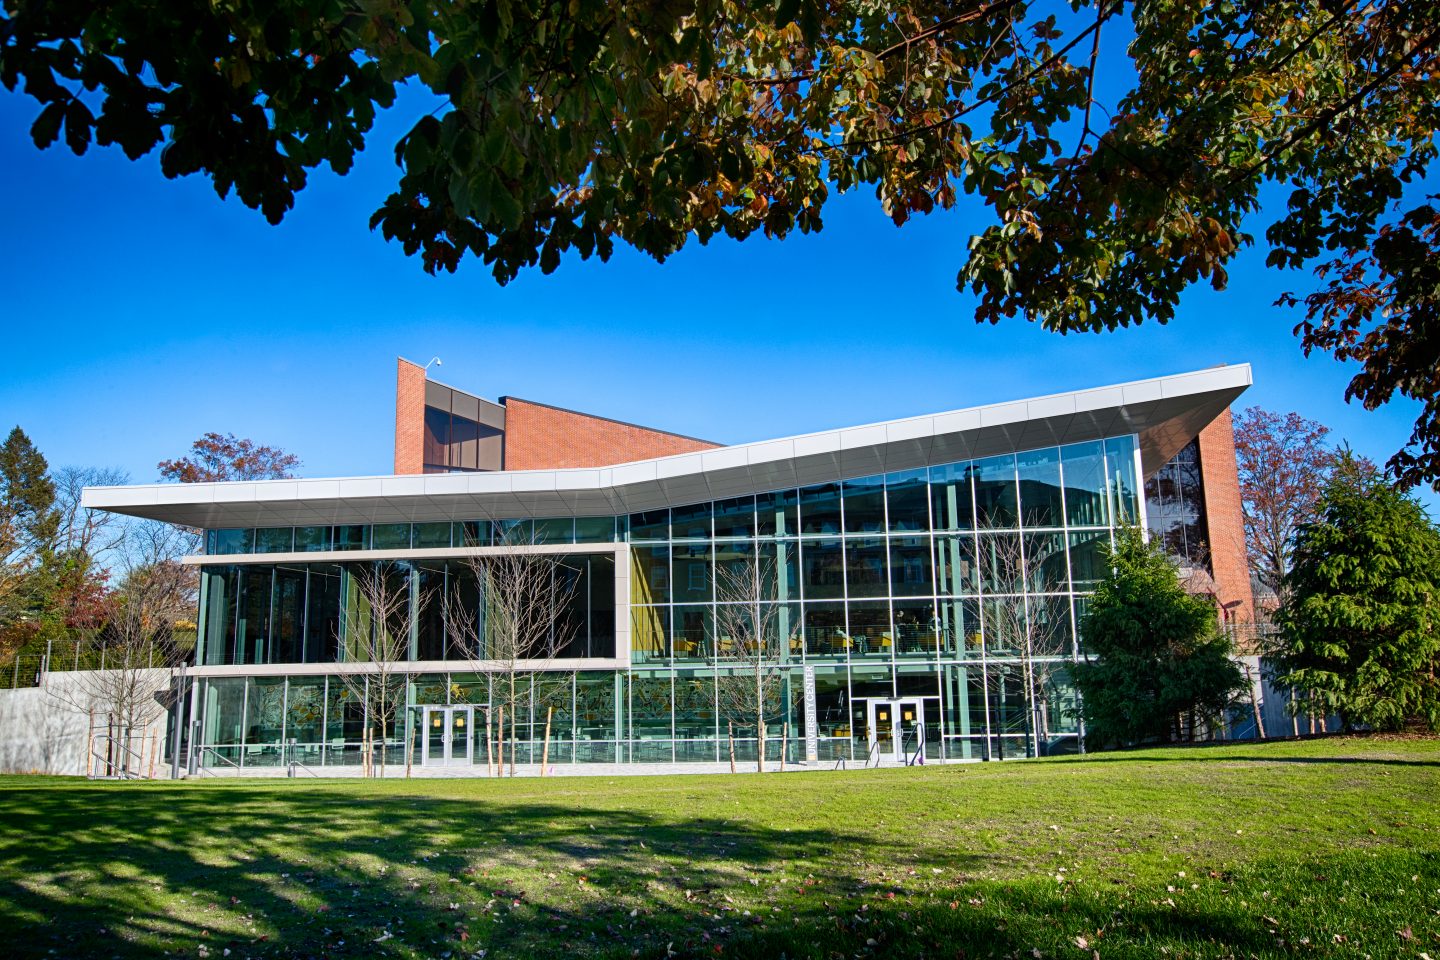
448	735
897	728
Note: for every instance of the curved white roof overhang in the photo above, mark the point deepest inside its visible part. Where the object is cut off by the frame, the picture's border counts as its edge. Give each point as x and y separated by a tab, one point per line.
1165	412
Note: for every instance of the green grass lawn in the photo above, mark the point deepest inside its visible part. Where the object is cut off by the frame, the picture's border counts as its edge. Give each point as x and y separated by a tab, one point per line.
1322	848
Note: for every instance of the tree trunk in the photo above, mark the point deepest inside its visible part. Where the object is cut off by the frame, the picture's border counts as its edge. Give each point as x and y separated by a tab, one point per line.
489	752
384	742
545	753
1255	703
500	743
514	736
89	740
784	742
759	715
732	746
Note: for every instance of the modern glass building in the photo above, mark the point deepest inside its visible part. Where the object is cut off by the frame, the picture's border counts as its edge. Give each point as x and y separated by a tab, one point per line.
925	579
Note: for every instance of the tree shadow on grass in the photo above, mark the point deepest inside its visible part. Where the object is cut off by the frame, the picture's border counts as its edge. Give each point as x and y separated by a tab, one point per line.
129	869
336	870
1261	761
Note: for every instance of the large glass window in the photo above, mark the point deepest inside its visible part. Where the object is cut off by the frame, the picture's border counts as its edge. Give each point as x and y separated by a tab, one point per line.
553	530
825	634
690	523
692	574
865	505
275	540
996	493
652	574
865	568
694	632
907	497
312	539
652	525
649	633
1041	504
951	498
1124	491
432	535
957	573
391	536
777	514
1085	501
1175	507
820	509
911	574
823	562
735	517
594	529
287	616
780	570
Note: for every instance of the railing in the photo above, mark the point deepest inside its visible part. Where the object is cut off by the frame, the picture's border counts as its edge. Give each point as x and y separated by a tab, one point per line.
918	756
204	770
112	757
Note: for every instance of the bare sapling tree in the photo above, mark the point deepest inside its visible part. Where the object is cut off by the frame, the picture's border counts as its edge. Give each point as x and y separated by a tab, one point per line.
750	678
133	653
1026	621
376	622
513	627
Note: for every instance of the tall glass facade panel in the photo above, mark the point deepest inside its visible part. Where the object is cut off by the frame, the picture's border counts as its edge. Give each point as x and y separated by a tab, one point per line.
948	595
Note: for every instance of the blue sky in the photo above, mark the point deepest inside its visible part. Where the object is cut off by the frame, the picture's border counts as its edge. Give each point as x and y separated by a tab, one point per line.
141	312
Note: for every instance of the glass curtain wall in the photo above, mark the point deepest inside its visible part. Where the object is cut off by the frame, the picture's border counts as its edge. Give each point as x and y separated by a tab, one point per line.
945	597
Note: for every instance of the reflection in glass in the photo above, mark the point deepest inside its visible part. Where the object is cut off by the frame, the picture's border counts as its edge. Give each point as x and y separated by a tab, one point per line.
692	576
864	505
777	514
649	633
820	508
694	630
391	536
823	562
650	582
957	573
995	492
865	568
735	517
274	540
651	525
960	628
825	634
690	522
1085	501
1041	504
907	498
910	572
916	628
951	499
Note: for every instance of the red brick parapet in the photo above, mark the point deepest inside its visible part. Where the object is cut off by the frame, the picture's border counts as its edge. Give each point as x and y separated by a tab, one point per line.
540	437
409	417
1224	519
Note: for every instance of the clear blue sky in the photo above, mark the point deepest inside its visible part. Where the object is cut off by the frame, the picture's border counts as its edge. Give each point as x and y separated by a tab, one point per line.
141	312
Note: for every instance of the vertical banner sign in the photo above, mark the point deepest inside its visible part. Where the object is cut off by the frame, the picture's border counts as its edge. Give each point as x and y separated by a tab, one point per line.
812	736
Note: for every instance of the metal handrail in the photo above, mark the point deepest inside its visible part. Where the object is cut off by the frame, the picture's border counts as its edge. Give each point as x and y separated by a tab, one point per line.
874	748
919	753
224	759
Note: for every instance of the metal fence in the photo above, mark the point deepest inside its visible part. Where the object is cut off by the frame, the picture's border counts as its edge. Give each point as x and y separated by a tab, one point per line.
29	665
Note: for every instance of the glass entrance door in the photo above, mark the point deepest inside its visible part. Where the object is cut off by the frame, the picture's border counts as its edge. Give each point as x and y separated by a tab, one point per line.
448	735
897	728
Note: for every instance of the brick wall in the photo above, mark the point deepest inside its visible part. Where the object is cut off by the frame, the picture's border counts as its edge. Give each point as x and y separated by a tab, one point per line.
538	437
409	417
1226	533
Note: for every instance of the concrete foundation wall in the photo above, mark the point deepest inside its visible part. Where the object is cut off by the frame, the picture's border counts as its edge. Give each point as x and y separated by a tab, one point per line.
45	729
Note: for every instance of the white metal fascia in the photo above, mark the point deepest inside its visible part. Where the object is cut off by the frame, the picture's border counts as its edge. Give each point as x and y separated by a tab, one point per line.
1165	412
